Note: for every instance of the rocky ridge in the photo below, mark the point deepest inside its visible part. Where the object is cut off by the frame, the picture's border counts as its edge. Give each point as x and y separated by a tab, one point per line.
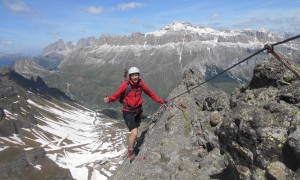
15	161
13	98
46	135
206	134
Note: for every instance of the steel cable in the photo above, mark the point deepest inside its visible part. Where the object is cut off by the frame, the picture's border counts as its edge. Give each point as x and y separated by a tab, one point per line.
254	54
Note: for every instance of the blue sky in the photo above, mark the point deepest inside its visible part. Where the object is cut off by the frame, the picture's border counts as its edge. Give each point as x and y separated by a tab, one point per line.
27	26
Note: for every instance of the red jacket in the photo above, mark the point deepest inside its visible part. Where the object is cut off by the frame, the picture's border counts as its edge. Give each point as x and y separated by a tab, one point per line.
134	98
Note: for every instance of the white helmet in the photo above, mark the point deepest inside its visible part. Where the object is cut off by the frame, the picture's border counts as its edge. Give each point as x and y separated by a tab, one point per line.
133	70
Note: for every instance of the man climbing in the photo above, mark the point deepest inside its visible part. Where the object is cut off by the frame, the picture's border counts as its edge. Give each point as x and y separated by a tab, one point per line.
130	94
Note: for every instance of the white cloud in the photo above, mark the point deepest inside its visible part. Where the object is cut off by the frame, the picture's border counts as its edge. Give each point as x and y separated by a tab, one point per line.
119	7
215	16
298	17
5	43
54	33
19	8
95	10
16	7
131	5
250	22
144	25
288	23
149	26
134	21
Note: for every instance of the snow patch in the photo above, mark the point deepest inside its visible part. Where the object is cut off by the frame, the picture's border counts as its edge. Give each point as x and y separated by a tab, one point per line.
80	173
74	137
189	28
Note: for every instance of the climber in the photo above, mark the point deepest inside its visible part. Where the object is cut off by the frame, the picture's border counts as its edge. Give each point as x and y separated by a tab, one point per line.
130	91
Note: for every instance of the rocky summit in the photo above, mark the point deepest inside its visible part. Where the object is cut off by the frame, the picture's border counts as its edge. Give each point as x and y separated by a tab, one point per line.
206	134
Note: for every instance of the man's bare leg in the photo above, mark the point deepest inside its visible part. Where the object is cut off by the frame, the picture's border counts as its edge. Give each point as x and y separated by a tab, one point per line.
132	138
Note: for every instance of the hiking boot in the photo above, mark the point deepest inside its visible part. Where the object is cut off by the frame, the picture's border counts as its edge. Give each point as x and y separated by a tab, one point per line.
131	154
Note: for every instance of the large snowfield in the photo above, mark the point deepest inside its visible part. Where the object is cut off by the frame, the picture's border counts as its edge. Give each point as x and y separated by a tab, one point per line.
74	137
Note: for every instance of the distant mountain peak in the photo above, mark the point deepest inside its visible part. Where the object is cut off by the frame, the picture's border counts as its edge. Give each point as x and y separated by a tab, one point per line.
177	26
186	27
263	30
58	47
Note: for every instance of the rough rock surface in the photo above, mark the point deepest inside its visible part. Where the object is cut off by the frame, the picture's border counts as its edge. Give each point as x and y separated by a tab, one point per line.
11	86
205	134
17	163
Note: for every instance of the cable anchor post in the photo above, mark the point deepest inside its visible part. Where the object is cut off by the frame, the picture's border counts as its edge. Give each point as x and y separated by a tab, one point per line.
270	49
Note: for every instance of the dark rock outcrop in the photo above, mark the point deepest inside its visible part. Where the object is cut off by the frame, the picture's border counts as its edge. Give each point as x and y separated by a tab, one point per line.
271	74
205	134
17	163
14	85
2	114
258	133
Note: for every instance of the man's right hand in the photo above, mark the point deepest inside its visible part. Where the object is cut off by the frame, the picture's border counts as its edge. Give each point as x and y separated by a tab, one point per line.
106	100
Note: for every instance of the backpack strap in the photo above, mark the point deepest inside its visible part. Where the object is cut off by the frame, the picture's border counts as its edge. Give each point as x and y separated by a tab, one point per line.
128	88
126	92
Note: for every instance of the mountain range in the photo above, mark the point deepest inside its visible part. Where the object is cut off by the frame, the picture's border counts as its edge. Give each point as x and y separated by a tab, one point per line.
9	59
204	133
94	67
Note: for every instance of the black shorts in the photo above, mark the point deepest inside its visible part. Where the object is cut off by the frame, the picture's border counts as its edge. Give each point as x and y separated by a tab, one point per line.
132	119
